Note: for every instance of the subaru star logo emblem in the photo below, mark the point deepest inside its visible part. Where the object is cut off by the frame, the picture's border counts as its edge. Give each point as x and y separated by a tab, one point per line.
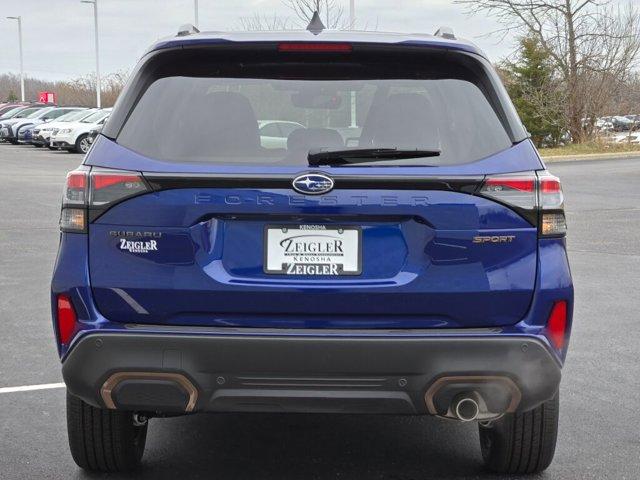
313	183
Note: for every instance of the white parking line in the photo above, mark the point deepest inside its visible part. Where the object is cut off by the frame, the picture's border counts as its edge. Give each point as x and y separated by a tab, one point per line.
28	388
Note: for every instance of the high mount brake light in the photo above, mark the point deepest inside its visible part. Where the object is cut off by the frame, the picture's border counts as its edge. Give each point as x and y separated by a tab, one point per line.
99	189
317	47
538	197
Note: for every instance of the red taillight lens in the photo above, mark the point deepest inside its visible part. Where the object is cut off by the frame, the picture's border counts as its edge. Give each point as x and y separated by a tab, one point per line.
67	319
75	192
111	186
557	325
509	184
516	190
317	47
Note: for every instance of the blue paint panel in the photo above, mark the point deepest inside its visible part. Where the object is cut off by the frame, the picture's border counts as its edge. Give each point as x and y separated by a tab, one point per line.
553	282
420	263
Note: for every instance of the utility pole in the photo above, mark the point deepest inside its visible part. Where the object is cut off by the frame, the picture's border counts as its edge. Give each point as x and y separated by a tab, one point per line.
352	22
95	22
195	9
352	13
19	19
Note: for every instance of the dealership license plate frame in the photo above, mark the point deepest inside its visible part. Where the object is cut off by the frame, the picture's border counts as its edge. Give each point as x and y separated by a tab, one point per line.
313	228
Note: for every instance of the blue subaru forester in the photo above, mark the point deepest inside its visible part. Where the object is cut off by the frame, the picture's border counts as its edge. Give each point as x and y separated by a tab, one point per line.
389	242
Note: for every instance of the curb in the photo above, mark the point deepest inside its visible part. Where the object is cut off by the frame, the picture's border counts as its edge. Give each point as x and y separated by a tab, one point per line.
591	156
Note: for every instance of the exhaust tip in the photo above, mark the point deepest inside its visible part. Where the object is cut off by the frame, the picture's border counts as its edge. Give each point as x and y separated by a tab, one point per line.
466	409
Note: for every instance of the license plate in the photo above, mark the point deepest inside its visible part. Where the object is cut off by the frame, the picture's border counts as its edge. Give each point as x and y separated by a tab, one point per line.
316	250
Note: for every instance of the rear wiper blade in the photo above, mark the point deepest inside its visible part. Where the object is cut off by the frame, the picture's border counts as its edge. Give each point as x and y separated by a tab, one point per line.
364	155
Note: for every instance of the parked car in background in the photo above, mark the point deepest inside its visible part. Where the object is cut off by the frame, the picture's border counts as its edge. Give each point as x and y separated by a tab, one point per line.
44	116
94	132
633	138
274	133
8	126
25	134
8	107
74	136
42	133
7	114
621	123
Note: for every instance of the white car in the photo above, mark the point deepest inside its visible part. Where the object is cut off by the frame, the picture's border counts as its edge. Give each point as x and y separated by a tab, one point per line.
42	133
74	136
9	128
274	133
633	138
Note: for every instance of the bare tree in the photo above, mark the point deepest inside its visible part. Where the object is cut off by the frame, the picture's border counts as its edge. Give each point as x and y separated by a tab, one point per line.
79	91
331	12
593	45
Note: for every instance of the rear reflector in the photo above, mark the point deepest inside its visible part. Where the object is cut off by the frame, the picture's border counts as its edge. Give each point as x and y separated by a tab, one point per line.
67	319
318	47
557	325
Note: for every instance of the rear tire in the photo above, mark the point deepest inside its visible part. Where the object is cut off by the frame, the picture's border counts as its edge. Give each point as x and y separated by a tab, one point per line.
521	442
103	440
82	144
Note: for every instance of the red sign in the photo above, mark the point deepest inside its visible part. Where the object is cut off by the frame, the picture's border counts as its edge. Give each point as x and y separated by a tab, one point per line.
47	97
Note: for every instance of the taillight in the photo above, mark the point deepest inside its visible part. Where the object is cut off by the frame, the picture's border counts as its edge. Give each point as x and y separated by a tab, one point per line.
87	195
515	190
556	330
73	217
537	197
67	319
112	186
552	220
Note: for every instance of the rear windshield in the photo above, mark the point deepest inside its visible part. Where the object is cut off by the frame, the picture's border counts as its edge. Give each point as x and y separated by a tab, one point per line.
213	118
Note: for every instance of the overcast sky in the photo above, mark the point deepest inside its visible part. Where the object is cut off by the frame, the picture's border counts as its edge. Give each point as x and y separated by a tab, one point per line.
58	34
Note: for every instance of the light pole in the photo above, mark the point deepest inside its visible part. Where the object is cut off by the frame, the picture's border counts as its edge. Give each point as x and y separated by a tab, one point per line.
352	13
95	21
195	10
352	21
19	19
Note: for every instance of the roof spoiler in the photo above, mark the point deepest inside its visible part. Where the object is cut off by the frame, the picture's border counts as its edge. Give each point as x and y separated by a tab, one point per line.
445	32
187	29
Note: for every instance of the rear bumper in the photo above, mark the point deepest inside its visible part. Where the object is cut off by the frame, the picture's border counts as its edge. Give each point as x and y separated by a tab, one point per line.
332	373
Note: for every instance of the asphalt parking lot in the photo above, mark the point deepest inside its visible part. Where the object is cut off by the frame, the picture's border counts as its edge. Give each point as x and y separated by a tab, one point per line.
600	395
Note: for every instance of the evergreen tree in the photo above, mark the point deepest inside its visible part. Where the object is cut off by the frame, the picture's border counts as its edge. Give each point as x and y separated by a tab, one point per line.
535	92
